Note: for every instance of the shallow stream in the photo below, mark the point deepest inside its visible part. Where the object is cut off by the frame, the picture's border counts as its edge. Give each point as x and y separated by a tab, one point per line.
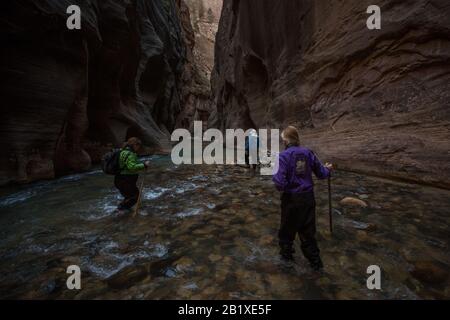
210	232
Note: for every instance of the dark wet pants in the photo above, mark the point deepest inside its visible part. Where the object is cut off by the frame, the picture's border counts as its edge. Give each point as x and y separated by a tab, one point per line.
247	160
128	189
298	216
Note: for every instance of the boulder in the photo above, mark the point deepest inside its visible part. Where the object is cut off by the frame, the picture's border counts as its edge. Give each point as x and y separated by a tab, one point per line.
354	202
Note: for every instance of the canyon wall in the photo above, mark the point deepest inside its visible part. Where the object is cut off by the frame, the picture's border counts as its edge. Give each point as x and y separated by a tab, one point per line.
200	21
374	101
205	16
69	95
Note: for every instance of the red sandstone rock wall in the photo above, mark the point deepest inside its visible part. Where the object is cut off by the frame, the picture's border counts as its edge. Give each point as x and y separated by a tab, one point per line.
372	101
67	95
200	19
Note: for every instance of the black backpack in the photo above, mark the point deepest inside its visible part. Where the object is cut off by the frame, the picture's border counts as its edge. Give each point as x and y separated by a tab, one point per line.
111	162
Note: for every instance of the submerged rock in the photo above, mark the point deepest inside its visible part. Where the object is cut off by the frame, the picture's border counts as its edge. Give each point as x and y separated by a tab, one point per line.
363	226
214	257
48	287
361	235
184	263
170	273
266	240
127	277
429	273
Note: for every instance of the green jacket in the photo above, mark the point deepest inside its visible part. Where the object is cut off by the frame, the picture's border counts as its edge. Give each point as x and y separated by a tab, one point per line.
129	163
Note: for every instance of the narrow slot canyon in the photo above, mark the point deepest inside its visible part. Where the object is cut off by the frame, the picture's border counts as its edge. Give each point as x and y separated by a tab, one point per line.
373	103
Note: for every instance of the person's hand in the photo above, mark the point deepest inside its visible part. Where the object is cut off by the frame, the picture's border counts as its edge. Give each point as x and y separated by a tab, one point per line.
329	166
147	164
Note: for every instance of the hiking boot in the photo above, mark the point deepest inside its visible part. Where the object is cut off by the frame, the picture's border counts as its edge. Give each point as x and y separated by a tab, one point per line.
287	252
316	264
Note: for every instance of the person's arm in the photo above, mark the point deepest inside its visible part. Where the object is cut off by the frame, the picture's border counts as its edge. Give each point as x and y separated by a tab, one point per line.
321	171
133	164
280	178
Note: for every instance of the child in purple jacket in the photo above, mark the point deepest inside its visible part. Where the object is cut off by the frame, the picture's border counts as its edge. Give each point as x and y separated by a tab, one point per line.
294	180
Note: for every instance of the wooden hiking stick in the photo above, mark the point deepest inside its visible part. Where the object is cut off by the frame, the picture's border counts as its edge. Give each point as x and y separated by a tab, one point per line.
330	208
136	210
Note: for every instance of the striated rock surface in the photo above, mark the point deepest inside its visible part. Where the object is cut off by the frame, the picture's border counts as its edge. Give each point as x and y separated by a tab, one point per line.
200	20
205	16
68	95
375	101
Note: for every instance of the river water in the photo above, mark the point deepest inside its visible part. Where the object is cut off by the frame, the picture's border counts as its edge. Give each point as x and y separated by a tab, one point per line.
209	232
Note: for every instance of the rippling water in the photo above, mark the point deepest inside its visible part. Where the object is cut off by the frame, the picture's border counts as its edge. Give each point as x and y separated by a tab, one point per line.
210	232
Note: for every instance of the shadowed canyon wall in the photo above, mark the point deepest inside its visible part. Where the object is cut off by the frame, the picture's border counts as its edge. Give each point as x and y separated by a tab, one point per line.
67	96
375	101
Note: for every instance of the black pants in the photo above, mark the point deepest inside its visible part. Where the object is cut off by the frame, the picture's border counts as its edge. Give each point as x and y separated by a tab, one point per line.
247	160
128	189
298	216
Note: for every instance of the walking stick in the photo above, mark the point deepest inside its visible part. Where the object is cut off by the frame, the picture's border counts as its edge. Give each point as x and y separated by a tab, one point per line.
136	210
330	209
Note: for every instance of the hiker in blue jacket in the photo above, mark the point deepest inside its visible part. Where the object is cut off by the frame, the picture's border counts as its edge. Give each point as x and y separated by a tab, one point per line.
252	145
294	180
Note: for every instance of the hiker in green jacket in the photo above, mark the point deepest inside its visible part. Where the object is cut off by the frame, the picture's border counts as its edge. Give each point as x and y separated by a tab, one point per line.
130	168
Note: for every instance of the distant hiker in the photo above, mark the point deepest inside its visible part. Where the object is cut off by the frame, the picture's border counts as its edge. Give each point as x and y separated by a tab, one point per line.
294	180
251	149
127	178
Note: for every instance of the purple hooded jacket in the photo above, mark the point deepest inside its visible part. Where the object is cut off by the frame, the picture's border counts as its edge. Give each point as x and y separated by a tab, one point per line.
296	165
